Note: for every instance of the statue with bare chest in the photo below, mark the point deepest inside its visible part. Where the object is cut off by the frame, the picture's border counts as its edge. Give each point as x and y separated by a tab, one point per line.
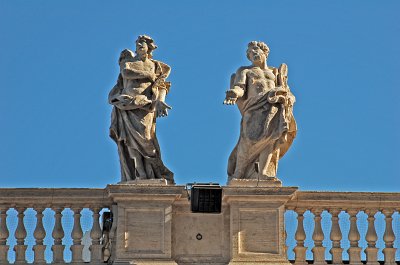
268	126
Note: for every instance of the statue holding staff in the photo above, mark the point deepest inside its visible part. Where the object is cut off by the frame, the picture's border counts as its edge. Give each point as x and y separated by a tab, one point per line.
268	127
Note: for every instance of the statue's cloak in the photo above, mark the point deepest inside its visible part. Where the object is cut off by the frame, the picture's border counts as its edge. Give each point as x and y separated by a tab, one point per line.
266	123
134	128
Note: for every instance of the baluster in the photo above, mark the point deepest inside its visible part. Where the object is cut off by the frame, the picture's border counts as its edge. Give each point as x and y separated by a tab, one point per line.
58	234
371	238
39	235
4	233
354	236
336	236
20	234
95	234
76	235
389	251
318	236
300	236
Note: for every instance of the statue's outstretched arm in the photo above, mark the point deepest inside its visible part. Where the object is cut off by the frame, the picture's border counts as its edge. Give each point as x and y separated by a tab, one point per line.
237	87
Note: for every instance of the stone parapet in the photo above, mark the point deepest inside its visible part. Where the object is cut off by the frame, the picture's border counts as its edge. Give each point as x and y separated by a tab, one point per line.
257	229
153	224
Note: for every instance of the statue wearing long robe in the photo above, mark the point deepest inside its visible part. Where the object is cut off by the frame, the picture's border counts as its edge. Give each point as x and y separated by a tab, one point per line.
133	119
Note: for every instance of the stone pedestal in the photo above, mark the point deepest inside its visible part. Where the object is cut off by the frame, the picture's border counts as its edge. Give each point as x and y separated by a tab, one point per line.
319	256
390	254
200	238
257	232
154	225
372	255
144	222
354	255
270	182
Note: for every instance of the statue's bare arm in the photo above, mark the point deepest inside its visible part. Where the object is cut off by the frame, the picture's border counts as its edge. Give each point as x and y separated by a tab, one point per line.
162	107
238	87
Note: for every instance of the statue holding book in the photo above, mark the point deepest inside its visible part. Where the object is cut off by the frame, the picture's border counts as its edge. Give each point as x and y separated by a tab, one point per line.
138	99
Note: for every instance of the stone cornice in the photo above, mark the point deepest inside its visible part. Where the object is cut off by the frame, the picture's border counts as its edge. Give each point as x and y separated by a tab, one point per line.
49	197
344	200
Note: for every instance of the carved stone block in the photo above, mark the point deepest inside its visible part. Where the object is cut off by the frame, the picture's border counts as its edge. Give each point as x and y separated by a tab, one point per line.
258	231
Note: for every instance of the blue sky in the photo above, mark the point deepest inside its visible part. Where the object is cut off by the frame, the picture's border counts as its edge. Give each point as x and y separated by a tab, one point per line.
58	61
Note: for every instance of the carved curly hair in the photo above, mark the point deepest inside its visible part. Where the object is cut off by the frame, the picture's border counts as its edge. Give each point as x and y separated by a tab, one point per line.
150	44
264	47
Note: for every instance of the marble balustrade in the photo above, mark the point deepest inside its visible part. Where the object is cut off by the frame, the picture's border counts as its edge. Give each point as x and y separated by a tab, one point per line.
350	206
57	200
319	206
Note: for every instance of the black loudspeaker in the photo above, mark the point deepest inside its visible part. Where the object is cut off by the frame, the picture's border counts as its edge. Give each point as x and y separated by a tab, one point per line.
206	198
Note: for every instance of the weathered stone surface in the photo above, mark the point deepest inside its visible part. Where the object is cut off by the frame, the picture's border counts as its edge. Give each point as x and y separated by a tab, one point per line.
200	238
143	222
268	126
47	197
138	99
257	230
345	200
155	223
270	182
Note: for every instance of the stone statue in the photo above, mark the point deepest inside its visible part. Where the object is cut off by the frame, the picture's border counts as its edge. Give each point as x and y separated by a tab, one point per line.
268	127
138	99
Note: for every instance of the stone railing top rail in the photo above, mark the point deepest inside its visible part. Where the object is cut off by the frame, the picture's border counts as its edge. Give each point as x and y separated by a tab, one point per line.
48	197
85	197
345	200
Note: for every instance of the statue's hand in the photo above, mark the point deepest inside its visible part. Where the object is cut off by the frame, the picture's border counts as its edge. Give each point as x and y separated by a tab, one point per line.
230	98
162	109
125	98
279	96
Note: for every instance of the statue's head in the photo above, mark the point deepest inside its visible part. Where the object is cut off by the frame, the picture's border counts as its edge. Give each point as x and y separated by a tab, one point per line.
257	51
145	44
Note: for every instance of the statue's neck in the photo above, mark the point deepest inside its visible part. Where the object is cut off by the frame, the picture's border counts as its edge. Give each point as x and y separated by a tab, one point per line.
262	65
142	57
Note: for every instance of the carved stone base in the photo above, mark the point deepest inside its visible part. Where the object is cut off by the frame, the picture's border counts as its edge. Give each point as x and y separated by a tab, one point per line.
39	254
389	255
257	231
148	182
300	253
336	255
58	253
354	255
372	253
144	219
77	253
270	182
3	254
20	254
145	262
319	255
155	225
255	262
